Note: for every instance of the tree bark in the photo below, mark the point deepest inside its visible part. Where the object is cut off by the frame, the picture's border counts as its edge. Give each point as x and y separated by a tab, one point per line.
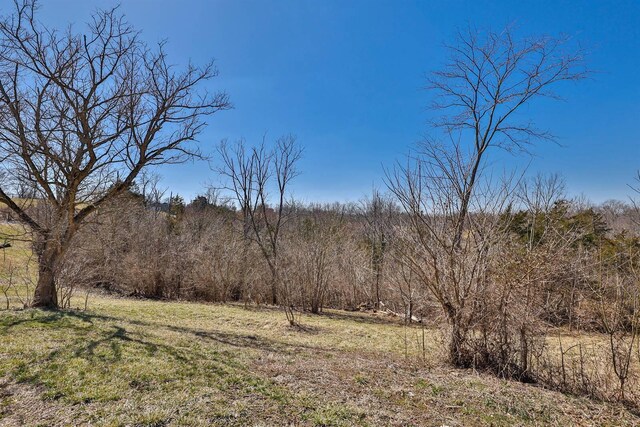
457	351
45	295
274	291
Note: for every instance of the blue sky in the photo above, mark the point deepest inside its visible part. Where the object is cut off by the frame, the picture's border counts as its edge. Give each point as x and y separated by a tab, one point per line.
347	78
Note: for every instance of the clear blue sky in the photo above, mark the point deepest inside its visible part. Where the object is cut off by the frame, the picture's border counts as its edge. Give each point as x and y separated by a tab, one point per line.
346	77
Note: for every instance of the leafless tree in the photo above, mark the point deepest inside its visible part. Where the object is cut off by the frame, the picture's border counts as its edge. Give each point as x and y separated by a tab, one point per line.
403	281
315	244
619	312
82	114
484	85
377	212
455	227
147	185
259	181
455	273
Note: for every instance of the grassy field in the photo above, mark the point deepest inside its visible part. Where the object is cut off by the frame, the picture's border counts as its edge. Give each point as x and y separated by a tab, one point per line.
125	362
145	363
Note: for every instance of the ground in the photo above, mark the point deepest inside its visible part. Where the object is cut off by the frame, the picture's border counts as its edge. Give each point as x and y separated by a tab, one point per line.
149	363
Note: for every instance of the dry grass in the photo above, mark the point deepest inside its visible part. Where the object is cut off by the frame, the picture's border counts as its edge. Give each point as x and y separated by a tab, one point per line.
22	202
18	271
149	363
128	362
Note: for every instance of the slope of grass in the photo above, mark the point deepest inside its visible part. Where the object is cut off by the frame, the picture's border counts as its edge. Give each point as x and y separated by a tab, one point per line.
144	363
18	269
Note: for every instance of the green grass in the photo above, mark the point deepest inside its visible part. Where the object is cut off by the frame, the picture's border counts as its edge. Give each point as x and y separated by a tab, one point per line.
145	363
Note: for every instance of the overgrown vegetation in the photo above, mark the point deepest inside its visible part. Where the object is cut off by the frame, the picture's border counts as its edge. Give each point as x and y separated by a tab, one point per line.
506	273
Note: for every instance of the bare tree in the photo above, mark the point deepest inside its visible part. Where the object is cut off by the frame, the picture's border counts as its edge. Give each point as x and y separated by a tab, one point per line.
147	185
377	213
259	181
485	84
619	315
455	274
81	115
315	245
454	229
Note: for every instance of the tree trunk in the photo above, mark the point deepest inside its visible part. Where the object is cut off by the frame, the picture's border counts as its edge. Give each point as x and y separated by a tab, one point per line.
524	352
377	290
458	354
456	348
315	302
45	295
274	285
274	292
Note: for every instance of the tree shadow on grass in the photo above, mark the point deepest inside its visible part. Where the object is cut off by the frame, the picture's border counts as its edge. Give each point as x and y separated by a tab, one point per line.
90	337
85	339
107	344
244	341
118	336
380	318
98	358
355	316
45	319
237	340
